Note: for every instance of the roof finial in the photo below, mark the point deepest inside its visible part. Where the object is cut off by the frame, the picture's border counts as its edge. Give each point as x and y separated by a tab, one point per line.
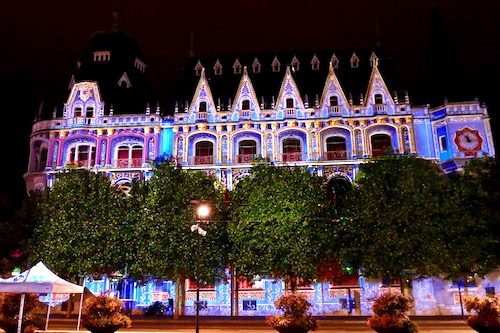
377	30
117	23
191	50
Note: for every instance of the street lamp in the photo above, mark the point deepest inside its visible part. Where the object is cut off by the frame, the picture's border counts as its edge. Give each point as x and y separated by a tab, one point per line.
203	211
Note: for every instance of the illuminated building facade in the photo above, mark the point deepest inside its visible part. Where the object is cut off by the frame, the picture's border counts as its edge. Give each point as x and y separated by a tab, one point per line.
328	110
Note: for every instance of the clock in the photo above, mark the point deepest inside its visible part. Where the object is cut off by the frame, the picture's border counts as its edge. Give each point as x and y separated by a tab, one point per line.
468	141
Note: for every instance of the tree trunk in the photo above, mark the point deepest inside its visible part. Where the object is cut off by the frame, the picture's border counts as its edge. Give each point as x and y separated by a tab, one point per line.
177	302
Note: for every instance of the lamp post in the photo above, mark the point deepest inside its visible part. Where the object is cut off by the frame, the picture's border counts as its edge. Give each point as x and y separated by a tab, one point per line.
203	211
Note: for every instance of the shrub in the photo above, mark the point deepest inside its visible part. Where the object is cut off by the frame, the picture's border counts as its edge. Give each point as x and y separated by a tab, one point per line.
103	311
295	308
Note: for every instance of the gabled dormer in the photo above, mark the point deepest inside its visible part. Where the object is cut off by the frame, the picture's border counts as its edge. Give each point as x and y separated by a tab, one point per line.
246	105
289	102
373	59
237	67
275	65
295	63
315	63
378	99
124	81
202	107
354	60
217	68
335	61
84	101
198	68
333	99
256	65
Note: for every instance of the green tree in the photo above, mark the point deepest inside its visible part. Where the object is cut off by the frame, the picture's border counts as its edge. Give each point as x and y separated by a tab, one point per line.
281	223
473	237
392	224
160	238
80	225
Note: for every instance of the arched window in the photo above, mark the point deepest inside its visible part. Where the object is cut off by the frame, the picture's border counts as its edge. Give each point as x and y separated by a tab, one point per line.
247	150
203	107
77	112
336	148
381	144
204	152
292	150
334	101
338	187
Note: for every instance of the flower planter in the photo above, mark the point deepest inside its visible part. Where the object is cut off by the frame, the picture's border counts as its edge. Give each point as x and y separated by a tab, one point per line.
291	329
482	325
104	329
388	329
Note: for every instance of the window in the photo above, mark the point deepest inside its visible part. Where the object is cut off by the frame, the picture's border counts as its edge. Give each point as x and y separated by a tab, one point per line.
237	67
198	68
381	144
335	61
217	68
204	152
89	112
289	103
140	65
276	65
256	66
203	107
102	56
354	61
295	63
292	150
245	104
77	112
247	149
334	101
379	99
82	155
315	63
442	143
336	148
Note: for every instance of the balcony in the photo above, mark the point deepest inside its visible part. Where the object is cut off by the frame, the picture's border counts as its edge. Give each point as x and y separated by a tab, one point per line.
380	109
80	164
201	117
201	160
334	110
335	155
247	158
291	157
245	115
290	113
127	163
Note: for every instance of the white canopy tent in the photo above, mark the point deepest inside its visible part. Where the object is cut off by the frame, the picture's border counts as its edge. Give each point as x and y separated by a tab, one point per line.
39	280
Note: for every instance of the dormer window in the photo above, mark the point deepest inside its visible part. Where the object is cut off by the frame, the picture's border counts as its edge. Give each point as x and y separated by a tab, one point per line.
140	65
102	56
289	103
315	63
245	104
334	101
373	59
217	68
124	81
354	61
77	112
276	65
295	63
379	99
203	107
237	67
89	113
335	61
256	66
198	68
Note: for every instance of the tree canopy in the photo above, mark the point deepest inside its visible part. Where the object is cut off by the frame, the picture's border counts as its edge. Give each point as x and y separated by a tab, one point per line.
281	223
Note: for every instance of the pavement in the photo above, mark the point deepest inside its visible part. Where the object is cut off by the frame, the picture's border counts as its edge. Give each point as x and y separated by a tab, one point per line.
337	324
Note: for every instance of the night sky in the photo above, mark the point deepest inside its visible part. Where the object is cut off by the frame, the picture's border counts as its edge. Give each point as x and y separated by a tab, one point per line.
41	41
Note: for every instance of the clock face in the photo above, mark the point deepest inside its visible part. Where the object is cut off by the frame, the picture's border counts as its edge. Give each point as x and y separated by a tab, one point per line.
468	140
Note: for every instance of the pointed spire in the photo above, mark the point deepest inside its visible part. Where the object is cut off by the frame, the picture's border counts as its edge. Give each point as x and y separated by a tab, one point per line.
54	113
191	49
361	99
306	101
350	99
272	102
148	109
218	104
262	102
176	107
111	109
186	106
407	98
157	107
377	31
316	100
395	97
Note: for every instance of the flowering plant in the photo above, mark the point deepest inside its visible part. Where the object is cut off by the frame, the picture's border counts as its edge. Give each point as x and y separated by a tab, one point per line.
391	313
9	312
104	311
296	314
484	311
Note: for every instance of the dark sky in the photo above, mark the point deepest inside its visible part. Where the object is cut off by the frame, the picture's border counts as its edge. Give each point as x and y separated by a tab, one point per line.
42	39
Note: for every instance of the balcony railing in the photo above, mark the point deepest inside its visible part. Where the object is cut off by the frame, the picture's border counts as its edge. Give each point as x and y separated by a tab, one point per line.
80	164
127	163
335	155
201	116
247	158
291	157
380	108
334	110
200	160
290	113
245	114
